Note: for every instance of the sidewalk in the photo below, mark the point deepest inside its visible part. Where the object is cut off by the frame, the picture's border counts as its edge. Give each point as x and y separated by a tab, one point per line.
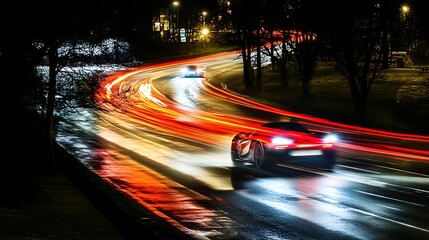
38	202
53	208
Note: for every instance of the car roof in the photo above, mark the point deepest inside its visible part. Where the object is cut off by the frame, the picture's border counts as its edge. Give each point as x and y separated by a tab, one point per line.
288	126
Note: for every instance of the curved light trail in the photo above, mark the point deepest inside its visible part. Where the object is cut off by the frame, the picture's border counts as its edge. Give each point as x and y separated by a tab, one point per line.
146	102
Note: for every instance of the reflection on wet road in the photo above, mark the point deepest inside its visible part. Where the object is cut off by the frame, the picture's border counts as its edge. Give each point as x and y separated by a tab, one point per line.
165	143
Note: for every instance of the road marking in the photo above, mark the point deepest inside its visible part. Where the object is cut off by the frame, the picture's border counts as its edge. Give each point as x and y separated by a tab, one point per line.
389	198
359	169
390	220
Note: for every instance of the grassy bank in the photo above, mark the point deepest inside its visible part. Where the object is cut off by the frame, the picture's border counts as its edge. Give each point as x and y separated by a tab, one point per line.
399	101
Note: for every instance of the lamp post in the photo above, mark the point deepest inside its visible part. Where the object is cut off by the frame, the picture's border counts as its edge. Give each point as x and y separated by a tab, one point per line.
204	18
176	4
408	27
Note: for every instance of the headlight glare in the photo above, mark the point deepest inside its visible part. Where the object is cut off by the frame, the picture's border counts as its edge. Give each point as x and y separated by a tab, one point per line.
330	138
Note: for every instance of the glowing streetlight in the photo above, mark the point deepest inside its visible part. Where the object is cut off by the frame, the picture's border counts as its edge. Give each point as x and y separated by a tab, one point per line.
405	9
204	34
205	31
204	18
176	4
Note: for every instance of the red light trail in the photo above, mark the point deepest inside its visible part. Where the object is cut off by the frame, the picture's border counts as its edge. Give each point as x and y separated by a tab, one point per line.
143	101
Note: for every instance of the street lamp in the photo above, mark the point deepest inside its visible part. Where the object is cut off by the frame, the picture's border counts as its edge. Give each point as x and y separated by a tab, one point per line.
176	4
204	18
405	8
204	34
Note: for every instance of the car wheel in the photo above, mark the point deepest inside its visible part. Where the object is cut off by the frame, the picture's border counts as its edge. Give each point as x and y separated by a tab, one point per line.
328	162
235	157
258	156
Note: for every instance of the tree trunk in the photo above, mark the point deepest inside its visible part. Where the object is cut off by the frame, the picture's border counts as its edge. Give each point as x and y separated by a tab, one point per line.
305	87
283	75
248	64
384	40
258	57
359	99
306	52
282	63
246	72
49	117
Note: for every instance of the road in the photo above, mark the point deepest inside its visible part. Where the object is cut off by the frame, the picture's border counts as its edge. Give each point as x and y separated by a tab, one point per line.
164	143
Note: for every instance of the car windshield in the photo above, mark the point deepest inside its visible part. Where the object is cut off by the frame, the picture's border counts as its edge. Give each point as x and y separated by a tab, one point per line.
289	126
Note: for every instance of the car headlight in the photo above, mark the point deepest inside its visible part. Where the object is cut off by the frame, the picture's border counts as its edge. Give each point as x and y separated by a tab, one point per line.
281	141
330	138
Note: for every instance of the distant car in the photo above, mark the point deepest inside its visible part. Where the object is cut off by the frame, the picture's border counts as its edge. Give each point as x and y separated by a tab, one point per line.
193	71
288	142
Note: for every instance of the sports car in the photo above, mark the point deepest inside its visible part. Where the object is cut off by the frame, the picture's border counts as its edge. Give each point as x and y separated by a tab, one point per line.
193	71
284	142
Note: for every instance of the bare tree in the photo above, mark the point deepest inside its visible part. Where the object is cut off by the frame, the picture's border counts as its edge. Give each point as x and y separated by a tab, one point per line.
246	22
278	35
355	42
307	20
306	50
42	42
